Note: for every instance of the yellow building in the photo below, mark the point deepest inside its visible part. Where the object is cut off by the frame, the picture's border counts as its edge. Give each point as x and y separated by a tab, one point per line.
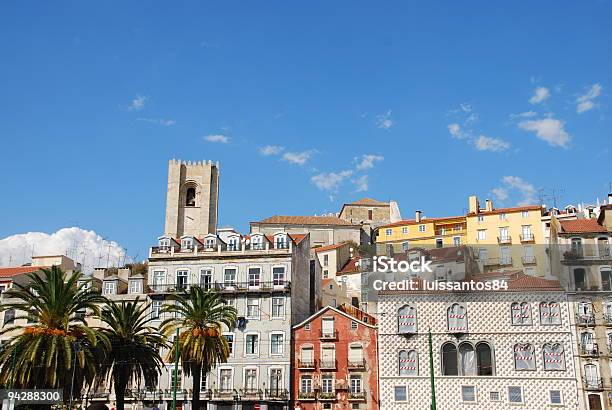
507	238
422	232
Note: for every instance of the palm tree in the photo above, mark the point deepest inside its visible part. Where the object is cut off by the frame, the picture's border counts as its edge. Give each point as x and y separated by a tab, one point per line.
200	315
56	348
133	350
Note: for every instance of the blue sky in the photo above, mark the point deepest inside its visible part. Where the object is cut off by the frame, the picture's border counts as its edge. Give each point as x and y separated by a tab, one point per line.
418	102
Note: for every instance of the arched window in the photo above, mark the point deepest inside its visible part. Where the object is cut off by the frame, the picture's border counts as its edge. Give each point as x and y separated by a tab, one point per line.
190	197
408	363
521	313
554	357
467	359
524	357
484	359
406	320
550	314
457	319
449	360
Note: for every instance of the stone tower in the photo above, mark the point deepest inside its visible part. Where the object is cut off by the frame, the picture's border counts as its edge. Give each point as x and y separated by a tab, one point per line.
193	198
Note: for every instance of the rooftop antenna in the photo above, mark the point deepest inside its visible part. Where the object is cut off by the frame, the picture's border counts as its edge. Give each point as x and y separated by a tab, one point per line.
555	194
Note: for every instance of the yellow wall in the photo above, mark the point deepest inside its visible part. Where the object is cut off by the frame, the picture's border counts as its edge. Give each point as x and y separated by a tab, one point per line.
428	237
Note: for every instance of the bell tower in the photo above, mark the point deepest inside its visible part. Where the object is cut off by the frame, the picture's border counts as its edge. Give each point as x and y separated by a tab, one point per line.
192	199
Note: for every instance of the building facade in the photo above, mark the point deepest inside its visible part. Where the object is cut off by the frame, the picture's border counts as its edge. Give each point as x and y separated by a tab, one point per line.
499	349
335	363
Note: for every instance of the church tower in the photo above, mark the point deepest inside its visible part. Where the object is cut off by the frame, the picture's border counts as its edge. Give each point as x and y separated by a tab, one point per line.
192	199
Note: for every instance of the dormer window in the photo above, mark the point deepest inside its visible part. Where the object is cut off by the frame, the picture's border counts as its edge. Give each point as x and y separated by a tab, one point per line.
233	243
257	242
280	241
135	286
209	243
187	243
110	288
164	243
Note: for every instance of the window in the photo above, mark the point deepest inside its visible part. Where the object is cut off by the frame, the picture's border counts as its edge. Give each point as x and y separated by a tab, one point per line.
281	242
252	344
457	318
327	384
466	359
206	279
276	379
580	279
190	196
524	214
370	214
408	363
203	382
278	307
250	379
504	235
515	394
159	279
230	343
135	286
406	320
110	288
502	216
400	393
524	357
355	355
389	232
307	326
325	260
591	376
550	313
577	247
481	234
555	397
355	384
181	279
164	243
254	276
328	356
278	275
306	384
606	279
155	309
187	243
405	230
229	276
480	218
405	246
449	360
307	355
325	274
421	228
225	376
439	243
468	393
253	308
456	241
176	379
521	313
209	243
526	233
327	327
484	359
233	243
276	344
554	357
494	396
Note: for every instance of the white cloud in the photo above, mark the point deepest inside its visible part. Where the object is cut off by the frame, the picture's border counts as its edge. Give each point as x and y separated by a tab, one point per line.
367	161
585	102
550	130
540	95
271	150
83	246
223	139
385	121
484	143
526	114
500	194
455	131
138	103
465	107
160	121
298	158
330	181
361	183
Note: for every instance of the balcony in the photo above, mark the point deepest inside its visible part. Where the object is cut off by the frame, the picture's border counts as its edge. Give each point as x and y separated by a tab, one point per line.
253	286
328	396
277	394
607	317
585	319
505	261
307	364
328	335
504	240
356	364
225	394
593	383
328	364
528	260
588	349
251	394
357	395
307	395
168	288
527	237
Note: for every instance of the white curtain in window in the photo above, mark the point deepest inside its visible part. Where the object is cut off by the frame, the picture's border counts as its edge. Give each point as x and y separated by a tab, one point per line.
406	320
524	358
468	362
554	358
408	363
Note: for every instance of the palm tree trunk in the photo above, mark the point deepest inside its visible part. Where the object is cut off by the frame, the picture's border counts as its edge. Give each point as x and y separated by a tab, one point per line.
120	386
197	382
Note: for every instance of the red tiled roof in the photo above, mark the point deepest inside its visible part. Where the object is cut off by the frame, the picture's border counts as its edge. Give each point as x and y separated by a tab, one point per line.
582	226
330	247
405	222
297	237
352	266
305	220
522	281
368	202
19	270
507	210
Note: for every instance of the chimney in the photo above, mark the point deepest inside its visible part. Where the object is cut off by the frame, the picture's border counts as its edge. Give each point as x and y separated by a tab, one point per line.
474	207
488	205
123	273
417	216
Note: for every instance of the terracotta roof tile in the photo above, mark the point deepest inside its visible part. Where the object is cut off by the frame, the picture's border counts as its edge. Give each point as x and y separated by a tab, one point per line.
329	247
508	210
582	226
352	266
369	202
405	222
305	220
19	270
